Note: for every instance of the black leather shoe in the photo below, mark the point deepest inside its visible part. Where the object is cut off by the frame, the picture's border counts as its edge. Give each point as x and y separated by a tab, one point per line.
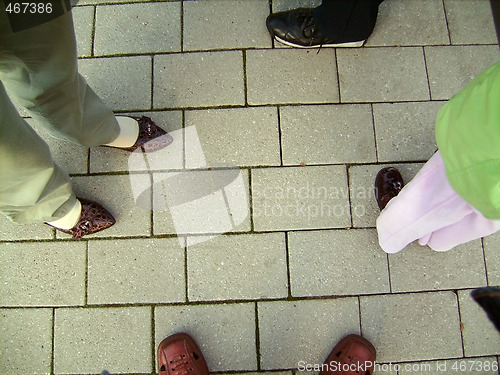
296	28
489	299
388	184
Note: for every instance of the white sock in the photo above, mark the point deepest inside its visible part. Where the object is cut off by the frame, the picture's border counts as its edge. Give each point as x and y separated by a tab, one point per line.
129	132
69	220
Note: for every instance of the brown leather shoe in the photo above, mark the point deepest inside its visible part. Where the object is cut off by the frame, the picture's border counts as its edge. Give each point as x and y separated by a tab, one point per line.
353	355
93	219
151	137
180	355
388	184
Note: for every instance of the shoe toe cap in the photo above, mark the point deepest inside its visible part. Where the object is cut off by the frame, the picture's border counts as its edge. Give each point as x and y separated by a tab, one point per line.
276	24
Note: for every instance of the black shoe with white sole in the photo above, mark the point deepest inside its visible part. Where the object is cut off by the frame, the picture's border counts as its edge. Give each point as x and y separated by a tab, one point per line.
296	28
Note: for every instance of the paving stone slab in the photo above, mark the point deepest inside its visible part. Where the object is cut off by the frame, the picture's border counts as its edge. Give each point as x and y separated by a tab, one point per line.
311	197
336	262
385	369
225	333
106	76
364	208
303	332
327	134
399	23
14	232
26	344
108	159
225	24
467	29
83	19
282	5
405	131
201	209
98	2
237	136
198	79
382	74
410	327
492	257
476	366
479	334
452	68
116	339
115	194
278	76
419	268
42	274
238	267
138	28
123	271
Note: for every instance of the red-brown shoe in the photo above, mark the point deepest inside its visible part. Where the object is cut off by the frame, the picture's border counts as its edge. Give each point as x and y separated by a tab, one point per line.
180	355
93	219
353	355
388	184
151	137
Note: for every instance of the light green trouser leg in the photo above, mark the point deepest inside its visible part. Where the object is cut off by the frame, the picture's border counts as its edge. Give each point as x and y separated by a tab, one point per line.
38	67
32	187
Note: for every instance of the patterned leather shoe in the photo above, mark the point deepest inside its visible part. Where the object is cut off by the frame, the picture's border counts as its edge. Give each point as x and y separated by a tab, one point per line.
93	219
180	355
388	184
151	137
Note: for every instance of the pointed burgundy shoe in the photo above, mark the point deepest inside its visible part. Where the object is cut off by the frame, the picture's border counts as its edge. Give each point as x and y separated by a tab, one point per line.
93	219
180	355
151	137
353	355
388	184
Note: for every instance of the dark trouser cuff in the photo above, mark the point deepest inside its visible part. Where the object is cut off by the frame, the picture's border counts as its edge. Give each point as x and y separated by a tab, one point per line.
347	20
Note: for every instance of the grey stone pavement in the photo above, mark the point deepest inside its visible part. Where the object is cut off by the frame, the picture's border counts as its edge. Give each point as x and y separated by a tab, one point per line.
308	132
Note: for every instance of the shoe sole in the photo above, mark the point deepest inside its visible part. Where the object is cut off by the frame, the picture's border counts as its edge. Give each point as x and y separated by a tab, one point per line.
347	45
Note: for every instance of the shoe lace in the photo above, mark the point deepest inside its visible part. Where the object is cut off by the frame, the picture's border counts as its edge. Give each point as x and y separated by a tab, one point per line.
310	31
